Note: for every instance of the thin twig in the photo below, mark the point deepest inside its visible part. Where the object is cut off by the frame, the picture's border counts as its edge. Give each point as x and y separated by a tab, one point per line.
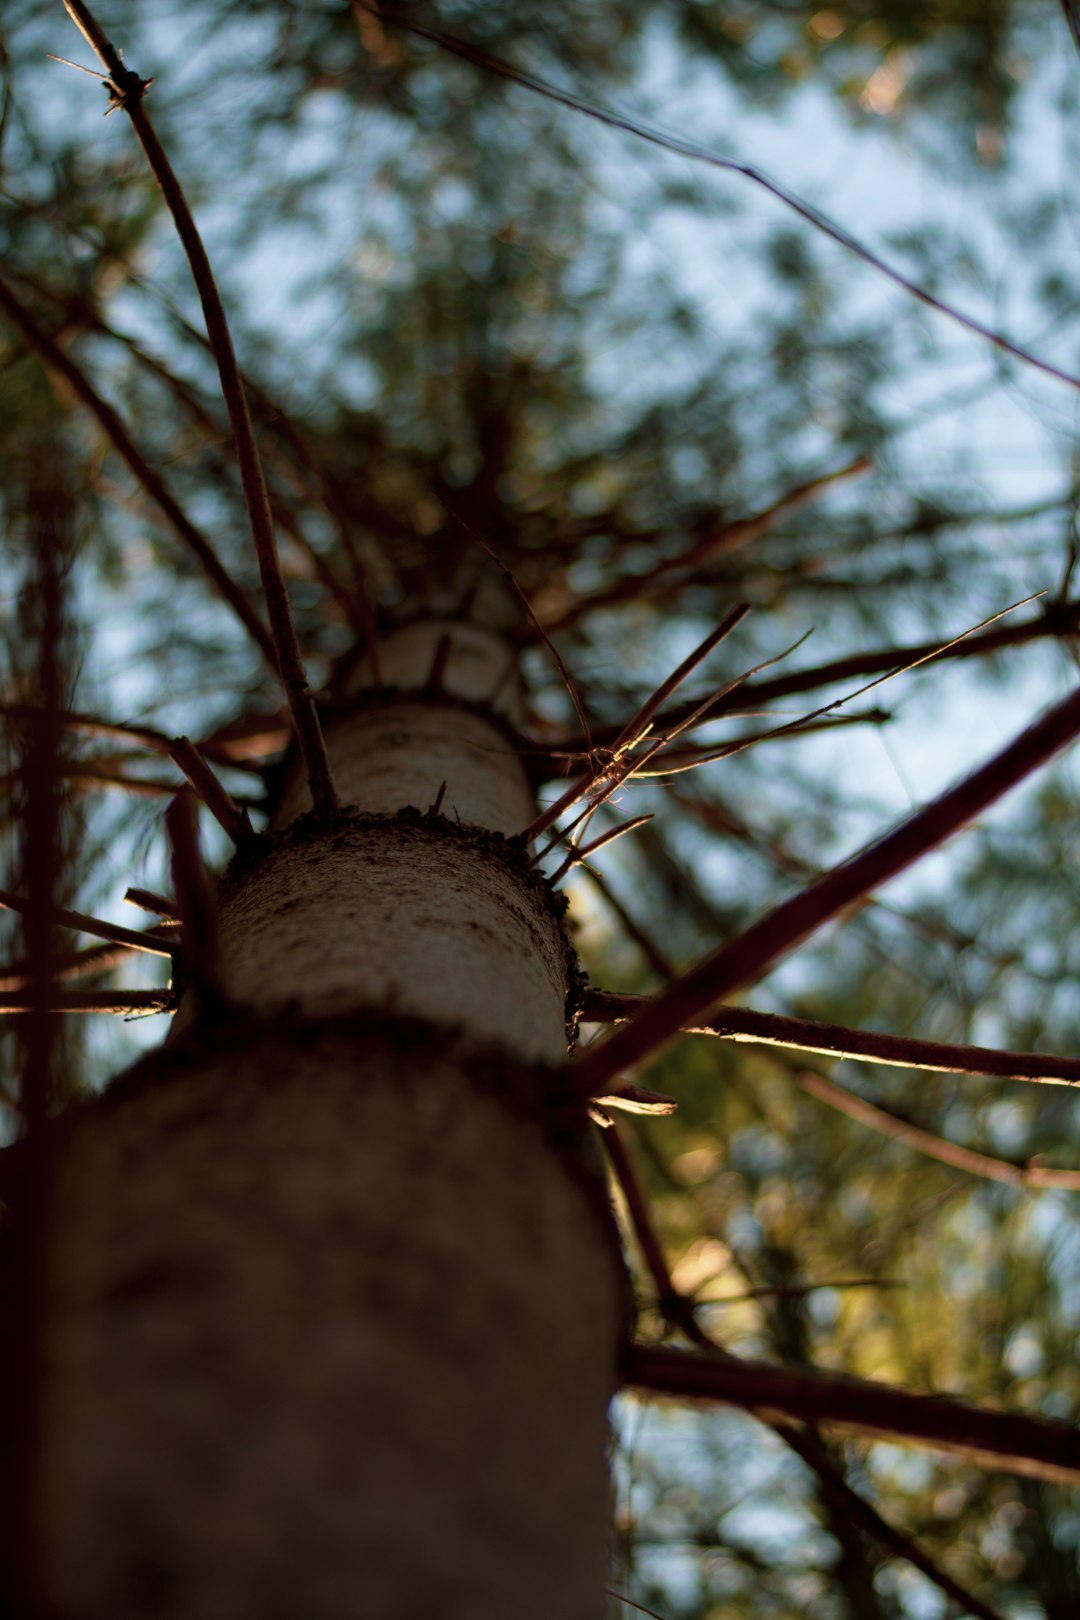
856	1045
289	663
701	154
690	759
611	769
932	1145
1032	1446
93	925
575	698
117	1002
642	721
780	931
578	855
655	957
880	680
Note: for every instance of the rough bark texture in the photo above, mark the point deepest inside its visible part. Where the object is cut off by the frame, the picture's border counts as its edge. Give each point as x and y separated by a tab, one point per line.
409	913
335	1298
337	1341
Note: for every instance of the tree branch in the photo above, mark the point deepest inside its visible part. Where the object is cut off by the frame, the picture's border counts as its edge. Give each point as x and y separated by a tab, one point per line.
128	90
92	1001
1018	1444
858	1045
152	482
932	1145
93	925
778	933
679	1310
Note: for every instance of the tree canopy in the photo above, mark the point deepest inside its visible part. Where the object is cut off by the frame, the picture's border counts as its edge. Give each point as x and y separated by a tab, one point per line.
658	305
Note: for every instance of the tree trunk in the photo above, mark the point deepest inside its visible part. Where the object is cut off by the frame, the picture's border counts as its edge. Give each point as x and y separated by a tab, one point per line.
335	1302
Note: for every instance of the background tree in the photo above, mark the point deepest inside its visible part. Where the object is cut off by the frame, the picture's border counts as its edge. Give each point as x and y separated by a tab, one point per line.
468	313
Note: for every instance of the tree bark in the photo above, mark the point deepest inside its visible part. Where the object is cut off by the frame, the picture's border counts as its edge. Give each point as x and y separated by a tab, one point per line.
335	1300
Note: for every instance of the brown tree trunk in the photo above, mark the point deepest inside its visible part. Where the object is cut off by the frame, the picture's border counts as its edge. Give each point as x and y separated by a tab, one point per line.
335	1300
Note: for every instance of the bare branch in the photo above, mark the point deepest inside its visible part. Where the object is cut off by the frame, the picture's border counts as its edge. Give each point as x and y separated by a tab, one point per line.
129	88
858	1045
642	721
610	771
1010	1441
777	934
152	482
117	1002
156	741
578	855
1059	619
225	811
575	699
93	925
932	1145
679	1310
158	904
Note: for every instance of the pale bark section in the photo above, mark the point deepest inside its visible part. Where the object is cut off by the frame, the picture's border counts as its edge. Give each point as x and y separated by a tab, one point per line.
361	1317
403	753
481	667
402	916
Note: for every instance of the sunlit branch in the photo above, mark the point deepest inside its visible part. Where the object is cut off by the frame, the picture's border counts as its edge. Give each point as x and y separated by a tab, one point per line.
858	1045
1059	620
127	89
932	1145
690	758
578	855
766	942
159	905
682	720
607	772
1036	1447
92	925
643	719
117	1002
